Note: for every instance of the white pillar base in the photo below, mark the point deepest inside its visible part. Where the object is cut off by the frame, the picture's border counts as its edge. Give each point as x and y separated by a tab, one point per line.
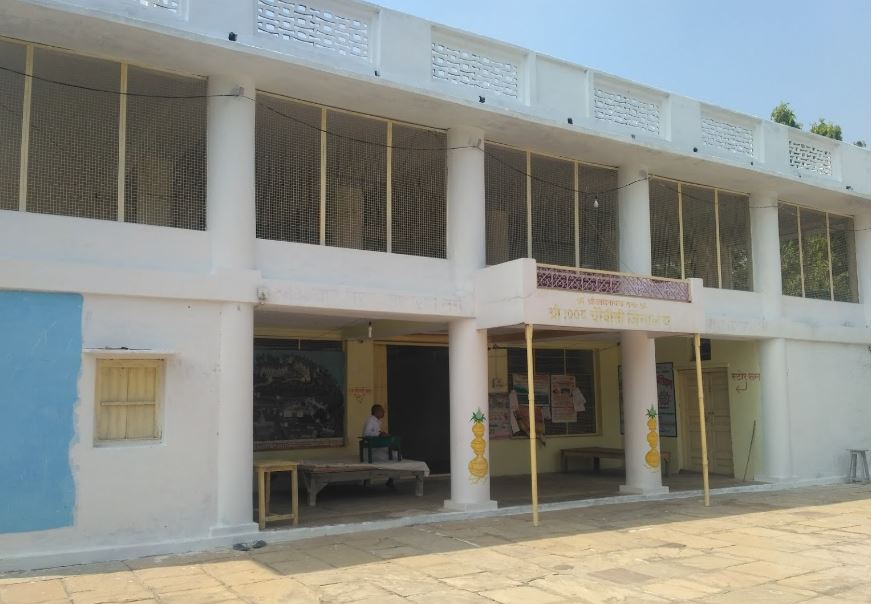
239	529
631	490
460	506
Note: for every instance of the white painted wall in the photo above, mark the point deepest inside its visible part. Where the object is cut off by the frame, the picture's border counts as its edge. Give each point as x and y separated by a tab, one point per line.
149	492
828	394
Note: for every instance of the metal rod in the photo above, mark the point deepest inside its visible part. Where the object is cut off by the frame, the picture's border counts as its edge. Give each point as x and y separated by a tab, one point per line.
718	238
322	210
529	206
577	215
25	130
122	142
531	399
681	231
702	435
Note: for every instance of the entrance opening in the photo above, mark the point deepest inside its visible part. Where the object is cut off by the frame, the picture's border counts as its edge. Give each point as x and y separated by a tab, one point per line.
418	403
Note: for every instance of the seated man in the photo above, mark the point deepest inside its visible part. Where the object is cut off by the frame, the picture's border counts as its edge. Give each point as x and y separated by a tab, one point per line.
372	427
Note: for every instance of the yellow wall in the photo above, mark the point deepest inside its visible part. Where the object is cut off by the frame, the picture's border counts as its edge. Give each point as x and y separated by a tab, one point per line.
738	357
366	384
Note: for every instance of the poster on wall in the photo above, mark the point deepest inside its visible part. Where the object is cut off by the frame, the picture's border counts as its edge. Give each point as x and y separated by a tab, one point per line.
499	417
299	396
562	408
541	387
666	409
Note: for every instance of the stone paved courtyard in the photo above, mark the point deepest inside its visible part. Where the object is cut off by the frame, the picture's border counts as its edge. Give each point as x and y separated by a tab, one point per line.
803	545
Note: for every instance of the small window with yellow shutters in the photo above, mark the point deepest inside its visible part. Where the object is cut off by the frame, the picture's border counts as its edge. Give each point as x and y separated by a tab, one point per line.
128	401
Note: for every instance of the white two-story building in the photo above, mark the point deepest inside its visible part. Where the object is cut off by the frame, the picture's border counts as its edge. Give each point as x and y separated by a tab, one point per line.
229	227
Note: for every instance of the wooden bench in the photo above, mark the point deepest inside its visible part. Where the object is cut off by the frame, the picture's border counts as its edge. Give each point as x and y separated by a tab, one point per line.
316	477
596	453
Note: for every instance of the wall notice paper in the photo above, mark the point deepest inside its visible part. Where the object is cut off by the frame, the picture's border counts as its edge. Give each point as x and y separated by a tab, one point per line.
562	408
500	418
541	387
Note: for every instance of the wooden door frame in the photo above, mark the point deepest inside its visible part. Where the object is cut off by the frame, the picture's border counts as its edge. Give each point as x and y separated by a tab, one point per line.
683	436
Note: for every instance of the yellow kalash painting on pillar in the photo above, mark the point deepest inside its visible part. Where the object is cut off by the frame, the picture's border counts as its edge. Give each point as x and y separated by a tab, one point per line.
652	457
478	465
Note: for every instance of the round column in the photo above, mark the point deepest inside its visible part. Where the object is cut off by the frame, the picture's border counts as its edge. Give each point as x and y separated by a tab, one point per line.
230	221
634	221
467	345
470	439
766	252
775	412
642	452
230	212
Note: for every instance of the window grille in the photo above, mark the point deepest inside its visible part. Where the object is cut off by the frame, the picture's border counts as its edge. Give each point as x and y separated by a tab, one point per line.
735	236
418	191
505	203
12	56
288	169
73	160
815	254
788	233
577	363
700	235
553	210
844	258
598	208
356	182
165	159
665	231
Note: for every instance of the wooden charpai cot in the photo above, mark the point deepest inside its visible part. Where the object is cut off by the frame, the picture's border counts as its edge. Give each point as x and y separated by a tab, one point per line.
318	474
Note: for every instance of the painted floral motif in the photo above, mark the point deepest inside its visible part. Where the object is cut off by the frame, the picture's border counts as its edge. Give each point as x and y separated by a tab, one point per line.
478	466
652	457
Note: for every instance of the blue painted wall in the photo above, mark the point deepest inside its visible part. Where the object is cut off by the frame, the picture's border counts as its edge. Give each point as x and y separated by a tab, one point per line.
40	359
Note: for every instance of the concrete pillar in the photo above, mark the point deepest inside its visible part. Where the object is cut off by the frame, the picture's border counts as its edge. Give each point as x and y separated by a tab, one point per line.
639	375
230	212
467	371
766	252
230	221
467	345
775	412
634	221
864	270
465	235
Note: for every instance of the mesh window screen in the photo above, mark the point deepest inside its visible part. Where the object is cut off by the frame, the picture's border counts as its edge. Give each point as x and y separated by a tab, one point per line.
577	363
418	192
791	277
506	203
844	257
735	226
598	225
815	254
700	252
73	163
288	170
553	210
165	161
12	56
356	182
665	237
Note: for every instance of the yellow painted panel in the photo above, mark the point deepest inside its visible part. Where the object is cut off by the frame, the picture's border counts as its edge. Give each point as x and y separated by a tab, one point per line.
116	421
113	384
141	421
141	384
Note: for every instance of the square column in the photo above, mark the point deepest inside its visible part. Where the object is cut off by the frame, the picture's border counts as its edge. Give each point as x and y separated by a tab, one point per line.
641	421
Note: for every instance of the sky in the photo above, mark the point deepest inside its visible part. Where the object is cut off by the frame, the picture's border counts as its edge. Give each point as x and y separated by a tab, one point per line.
742	55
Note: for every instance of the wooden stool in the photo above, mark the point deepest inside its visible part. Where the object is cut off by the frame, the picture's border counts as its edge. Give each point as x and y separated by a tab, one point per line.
858	454
264	469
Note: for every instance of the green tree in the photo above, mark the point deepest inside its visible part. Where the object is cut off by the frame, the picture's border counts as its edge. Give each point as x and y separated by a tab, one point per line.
783	114
828	129
860	143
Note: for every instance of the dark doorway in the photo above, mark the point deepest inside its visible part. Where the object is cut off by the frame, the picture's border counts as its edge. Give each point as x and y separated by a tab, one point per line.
418	403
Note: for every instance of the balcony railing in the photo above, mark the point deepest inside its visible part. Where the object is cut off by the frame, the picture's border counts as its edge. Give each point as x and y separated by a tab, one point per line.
617	284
